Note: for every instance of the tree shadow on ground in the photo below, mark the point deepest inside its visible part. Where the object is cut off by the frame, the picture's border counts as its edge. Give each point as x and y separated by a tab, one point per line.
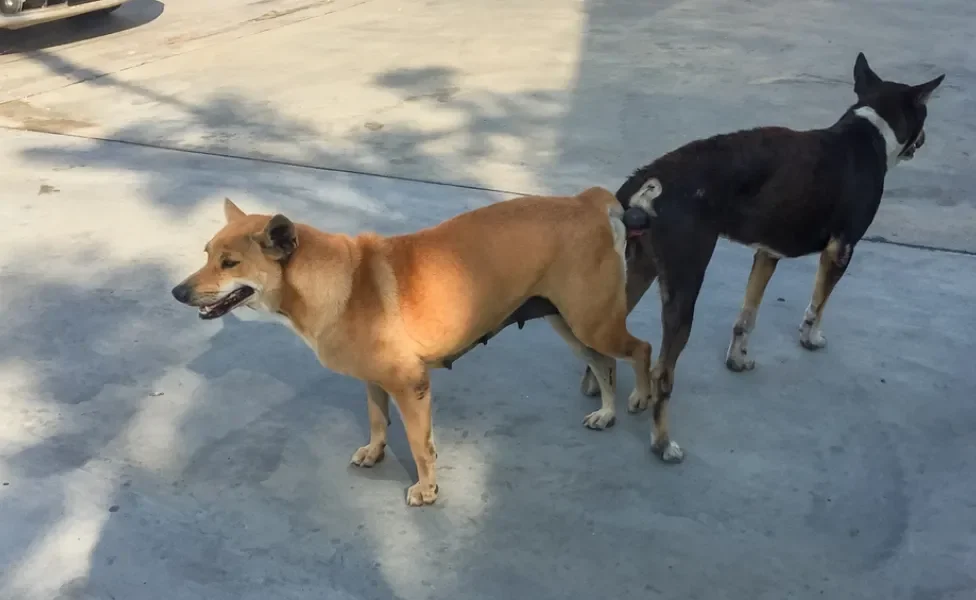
228	124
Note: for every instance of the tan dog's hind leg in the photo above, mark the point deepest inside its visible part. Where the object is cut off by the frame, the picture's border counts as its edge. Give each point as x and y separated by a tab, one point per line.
641	273
413	398
601	366
736	358
601	326
596	311
611	338
378	403
833	263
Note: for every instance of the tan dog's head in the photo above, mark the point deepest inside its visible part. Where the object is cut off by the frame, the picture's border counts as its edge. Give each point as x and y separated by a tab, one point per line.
245	265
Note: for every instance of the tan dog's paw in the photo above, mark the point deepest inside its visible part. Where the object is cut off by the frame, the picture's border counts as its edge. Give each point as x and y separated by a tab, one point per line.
600	419
420	494
367	456
637	402
588	384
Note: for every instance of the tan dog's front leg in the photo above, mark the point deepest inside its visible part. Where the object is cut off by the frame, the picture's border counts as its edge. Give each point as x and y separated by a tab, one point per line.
378	403
414	401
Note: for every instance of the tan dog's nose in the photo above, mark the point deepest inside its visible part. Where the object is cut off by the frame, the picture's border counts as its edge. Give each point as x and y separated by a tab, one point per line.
182	293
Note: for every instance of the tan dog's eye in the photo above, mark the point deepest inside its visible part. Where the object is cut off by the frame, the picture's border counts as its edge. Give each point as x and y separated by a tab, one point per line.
228	263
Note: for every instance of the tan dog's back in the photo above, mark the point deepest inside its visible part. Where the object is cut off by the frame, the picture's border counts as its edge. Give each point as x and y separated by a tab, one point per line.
452	276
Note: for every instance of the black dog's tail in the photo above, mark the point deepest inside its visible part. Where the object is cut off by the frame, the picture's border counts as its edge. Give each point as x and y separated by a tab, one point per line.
636	220
639	204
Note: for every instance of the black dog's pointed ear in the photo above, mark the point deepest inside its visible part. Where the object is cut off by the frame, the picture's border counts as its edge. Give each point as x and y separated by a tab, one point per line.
864	78
923	92
278	240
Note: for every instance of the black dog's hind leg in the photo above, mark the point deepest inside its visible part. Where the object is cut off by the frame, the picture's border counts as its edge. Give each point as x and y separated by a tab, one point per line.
683	258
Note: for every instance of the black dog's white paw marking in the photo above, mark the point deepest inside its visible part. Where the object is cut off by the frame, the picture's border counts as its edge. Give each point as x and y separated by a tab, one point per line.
669	452
811	337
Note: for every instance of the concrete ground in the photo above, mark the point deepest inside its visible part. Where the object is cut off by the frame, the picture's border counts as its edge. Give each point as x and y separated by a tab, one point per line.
147	454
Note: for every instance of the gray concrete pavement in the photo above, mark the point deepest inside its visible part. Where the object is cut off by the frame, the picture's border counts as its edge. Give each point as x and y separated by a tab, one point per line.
146	454
560	95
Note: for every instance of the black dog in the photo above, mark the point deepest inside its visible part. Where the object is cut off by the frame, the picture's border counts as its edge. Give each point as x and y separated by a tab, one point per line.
785	193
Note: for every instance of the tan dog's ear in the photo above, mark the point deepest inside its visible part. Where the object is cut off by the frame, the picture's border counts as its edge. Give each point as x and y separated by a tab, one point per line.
278	240
231	212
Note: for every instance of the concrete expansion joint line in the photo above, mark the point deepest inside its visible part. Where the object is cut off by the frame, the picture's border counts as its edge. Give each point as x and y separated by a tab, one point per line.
274	161
95	77
461	186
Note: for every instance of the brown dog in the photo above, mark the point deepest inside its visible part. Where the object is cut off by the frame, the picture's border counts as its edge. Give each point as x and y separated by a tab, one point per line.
386	309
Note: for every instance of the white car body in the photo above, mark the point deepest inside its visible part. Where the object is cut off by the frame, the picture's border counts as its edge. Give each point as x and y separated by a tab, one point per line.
54	12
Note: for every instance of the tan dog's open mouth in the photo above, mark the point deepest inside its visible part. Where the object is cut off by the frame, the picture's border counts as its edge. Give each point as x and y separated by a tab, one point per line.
227	303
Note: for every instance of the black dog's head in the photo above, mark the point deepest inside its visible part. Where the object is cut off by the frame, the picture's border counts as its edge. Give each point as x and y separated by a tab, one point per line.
898	110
